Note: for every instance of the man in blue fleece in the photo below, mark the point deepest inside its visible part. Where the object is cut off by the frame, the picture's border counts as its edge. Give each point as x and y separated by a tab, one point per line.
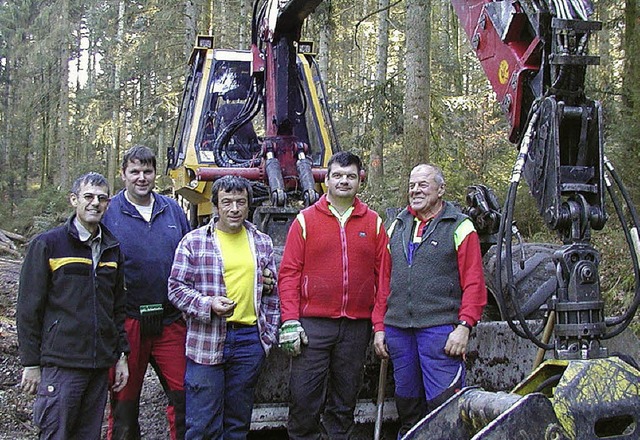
149	227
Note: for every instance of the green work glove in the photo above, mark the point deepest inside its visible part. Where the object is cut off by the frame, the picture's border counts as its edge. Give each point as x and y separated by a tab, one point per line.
291	337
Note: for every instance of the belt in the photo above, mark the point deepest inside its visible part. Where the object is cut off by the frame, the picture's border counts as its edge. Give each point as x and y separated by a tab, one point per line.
236	326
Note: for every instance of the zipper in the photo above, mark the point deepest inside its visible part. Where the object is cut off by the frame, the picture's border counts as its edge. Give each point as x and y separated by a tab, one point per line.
345	269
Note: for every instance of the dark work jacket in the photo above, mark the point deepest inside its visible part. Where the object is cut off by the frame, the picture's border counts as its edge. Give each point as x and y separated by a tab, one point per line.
68	313
426	293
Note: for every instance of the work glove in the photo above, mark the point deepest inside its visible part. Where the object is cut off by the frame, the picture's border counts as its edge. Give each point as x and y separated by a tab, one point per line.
291	337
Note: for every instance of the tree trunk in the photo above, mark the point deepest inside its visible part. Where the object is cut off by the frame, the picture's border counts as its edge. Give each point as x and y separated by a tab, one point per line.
631	77
456	48
189	26
630	122
44	152
418	87
245	19
114	154
63	151
223	17
161	157
325	24
604	79
376	156
6	119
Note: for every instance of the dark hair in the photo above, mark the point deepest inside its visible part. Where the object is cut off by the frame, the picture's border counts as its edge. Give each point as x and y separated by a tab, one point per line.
345	159
140	153
91	178
231	184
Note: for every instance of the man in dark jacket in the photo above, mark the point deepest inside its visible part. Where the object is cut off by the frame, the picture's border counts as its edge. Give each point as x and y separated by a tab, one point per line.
149	226
70	316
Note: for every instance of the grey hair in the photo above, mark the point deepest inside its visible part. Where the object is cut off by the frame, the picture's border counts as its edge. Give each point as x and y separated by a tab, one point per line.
437	171
91	178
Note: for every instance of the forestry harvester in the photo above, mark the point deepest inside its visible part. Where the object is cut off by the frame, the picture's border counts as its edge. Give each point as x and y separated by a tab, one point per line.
263	114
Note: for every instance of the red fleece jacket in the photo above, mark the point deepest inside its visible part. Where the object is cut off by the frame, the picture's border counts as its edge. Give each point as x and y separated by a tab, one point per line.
331	271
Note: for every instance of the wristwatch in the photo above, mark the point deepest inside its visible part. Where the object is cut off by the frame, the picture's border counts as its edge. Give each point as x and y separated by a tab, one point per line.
466	324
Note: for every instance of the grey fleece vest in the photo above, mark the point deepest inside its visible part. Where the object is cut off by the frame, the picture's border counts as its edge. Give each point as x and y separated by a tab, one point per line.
426	293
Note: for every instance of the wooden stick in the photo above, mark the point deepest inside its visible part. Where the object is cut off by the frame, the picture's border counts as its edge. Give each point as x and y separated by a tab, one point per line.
382	384
546	336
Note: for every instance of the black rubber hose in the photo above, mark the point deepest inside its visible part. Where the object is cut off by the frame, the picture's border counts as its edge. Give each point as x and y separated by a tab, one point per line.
505	235
551	380
624	320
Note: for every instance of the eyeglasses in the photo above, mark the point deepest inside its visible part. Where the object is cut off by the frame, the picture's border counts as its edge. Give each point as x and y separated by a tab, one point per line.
89	198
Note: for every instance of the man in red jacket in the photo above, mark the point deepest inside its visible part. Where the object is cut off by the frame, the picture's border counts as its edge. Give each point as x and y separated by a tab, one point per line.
334	268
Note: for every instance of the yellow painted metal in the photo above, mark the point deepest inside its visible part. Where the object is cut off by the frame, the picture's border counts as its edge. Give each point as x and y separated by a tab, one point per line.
184	177
602	384
317	109
548	369
184	180
588	393
191	158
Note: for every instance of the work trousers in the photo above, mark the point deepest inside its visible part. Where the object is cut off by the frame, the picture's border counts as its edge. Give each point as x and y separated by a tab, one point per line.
70	403
326	377
220	397
166	355
425	376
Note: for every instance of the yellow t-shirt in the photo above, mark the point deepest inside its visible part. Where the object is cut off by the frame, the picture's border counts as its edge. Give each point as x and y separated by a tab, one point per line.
239	274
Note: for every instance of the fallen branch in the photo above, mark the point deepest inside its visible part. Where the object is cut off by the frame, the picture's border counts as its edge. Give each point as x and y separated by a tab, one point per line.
9	249
13	236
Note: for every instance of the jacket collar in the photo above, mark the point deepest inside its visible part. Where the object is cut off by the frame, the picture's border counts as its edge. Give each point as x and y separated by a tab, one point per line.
211	226
359	207
446	213
108	239
127	207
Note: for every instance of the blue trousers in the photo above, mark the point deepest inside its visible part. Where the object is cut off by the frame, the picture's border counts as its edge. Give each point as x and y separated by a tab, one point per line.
70	403
219	398
326	377
421	368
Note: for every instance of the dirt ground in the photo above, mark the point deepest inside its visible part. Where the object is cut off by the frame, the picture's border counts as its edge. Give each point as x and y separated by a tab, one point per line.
15	406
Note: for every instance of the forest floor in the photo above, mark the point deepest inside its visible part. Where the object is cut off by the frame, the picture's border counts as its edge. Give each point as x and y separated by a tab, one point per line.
15	406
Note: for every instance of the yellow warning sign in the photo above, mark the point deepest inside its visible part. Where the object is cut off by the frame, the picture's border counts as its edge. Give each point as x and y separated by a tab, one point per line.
503	72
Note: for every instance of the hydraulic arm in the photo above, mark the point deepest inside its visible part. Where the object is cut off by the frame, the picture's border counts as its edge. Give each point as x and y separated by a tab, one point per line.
261	113
535	54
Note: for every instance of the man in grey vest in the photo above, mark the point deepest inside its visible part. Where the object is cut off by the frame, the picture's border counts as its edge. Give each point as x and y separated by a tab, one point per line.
437	296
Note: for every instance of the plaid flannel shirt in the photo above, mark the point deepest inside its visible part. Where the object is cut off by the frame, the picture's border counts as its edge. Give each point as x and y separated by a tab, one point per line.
197	276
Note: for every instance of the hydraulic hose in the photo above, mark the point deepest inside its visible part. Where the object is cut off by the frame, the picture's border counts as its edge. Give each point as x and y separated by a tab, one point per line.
632	240
248	112
505	236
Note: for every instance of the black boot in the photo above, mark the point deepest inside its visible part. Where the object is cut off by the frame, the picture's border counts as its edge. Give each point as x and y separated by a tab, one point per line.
125	420
410	410
177	400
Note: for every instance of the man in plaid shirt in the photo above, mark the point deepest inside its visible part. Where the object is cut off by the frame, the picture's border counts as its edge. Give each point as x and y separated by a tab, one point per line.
216	280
